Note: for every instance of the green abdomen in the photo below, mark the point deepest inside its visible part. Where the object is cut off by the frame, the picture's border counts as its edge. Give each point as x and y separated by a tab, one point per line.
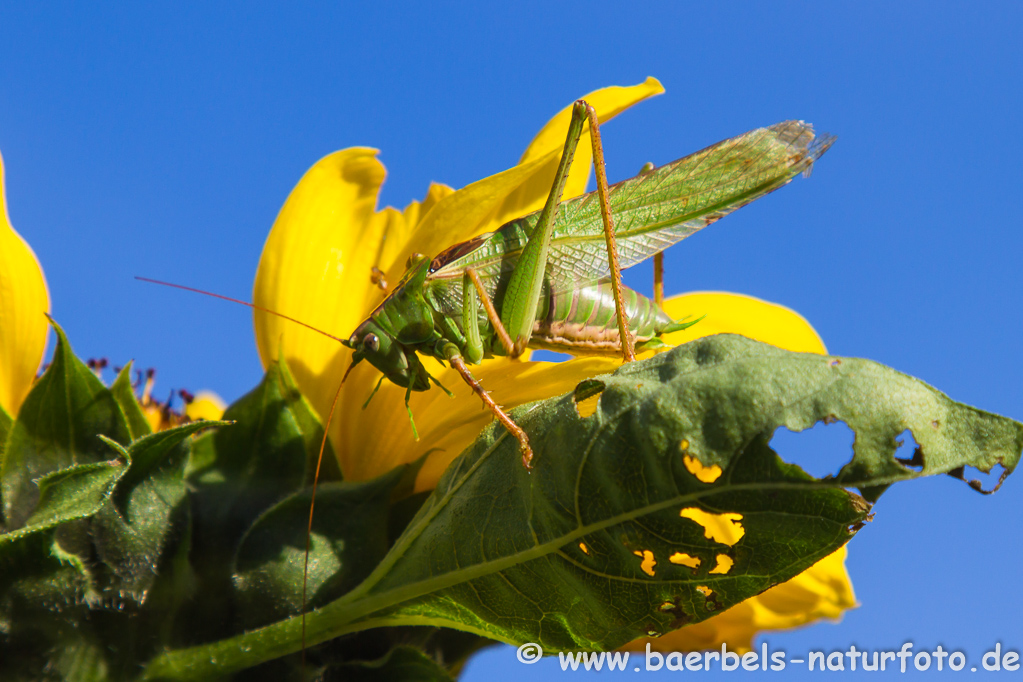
583	321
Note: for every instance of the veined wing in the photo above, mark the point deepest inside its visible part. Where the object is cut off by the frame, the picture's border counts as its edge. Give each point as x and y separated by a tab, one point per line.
651	211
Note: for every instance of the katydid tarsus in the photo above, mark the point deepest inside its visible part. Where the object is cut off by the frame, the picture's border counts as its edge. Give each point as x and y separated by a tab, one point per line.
552	279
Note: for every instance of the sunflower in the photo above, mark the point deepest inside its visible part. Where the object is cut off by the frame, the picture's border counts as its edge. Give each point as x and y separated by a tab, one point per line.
327	262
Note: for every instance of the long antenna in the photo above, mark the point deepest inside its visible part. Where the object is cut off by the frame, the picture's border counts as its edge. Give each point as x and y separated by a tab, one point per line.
312	503
326	427
244	303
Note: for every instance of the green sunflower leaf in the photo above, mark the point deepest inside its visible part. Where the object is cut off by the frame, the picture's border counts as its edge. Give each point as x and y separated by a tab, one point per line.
124	393
69	494
239	472
44	615
266	455
612	535
57	428
130	535
349	539
94	577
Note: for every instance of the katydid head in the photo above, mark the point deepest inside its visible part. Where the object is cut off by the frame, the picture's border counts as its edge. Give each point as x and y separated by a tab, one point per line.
399	364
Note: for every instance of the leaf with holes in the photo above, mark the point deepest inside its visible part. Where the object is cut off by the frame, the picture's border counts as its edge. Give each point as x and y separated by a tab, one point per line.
663	507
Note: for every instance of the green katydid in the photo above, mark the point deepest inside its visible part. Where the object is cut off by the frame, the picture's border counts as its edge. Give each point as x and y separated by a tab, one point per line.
543	280
552	279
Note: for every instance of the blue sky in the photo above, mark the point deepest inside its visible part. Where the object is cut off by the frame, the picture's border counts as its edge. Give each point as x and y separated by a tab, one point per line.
162	140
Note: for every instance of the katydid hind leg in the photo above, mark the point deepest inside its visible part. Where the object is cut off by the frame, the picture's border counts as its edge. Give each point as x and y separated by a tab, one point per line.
628	352
470	320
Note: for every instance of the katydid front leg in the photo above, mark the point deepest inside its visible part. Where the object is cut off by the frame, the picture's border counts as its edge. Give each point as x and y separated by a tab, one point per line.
472	286
522	297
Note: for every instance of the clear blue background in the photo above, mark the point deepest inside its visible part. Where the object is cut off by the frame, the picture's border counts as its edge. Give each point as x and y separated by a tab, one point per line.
162	140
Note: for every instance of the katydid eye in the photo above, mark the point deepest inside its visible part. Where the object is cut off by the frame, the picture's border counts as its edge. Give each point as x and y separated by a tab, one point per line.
371	343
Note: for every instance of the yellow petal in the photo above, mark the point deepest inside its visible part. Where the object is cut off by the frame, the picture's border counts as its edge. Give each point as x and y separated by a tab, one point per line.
156	417
514	383
205	405
316	268
465	213
417	210
24	301
399	230
608	102
324	239
738	314
510	384
821	591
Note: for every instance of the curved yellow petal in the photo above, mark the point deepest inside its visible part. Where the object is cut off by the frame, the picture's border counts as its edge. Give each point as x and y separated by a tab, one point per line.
317	258
464	213
510	384
24	301
399	231
317	261
514	383
316	266
608	102
738	314
397	249
821	591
